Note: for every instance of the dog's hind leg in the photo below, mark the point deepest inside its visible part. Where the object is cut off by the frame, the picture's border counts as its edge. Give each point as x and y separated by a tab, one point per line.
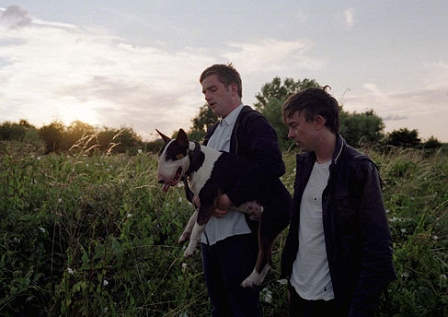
188	229
255	278
264	261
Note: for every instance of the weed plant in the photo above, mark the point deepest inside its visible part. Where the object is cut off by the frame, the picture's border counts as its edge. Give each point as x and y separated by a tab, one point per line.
95	236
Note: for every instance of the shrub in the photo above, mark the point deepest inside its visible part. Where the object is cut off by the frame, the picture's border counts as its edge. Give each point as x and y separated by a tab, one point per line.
96	236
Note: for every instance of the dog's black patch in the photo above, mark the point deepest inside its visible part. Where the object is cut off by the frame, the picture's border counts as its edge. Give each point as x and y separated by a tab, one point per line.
176	151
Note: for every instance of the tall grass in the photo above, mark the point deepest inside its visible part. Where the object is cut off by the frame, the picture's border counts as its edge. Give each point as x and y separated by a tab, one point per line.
96	236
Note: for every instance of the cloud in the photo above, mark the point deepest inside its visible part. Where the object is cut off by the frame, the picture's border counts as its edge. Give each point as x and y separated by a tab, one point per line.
55	71
274	55
349	15
15	17
420	109
49	72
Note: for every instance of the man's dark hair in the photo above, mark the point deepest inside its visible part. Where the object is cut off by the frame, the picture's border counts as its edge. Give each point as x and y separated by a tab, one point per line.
226	74
312	102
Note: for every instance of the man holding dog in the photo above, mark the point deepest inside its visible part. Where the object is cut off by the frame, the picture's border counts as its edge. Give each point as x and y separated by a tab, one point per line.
338	254
229	243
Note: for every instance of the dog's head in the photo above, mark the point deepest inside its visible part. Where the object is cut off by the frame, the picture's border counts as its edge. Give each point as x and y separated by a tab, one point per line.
173	159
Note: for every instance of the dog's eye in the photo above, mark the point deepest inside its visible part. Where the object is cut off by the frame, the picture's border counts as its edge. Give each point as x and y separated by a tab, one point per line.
179	156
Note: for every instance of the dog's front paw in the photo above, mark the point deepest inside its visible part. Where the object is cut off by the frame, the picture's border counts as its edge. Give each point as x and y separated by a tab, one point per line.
183	237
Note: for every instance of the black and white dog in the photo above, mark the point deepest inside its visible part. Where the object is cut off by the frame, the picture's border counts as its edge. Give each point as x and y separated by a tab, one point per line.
209	174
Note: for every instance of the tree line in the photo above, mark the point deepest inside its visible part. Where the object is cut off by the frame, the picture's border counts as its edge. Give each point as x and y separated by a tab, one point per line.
359	129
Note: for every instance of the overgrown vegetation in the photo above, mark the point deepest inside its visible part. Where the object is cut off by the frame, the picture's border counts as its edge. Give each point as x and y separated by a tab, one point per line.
86	230
95	236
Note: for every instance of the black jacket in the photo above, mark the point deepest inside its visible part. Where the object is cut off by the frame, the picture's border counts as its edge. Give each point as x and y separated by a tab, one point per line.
254	138
357	235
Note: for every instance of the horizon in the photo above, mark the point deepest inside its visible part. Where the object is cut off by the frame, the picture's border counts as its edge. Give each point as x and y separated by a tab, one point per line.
137	64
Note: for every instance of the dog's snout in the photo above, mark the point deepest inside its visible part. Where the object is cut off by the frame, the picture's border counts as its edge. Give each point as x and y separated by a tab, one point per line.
161	181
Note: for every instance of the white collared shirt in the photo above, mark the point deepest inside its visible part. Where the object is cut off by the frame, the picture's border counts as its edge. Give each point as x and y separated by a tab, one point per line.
234	222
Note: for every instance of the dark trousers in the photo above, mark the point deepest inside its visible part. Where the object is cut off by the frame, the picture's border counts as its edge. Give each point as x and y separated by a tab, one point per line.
226	264
299	307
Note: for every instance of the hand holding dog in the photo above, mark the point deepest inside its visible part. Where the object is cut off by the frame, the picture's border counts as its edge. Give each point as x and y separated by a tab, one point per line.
223	205
252	208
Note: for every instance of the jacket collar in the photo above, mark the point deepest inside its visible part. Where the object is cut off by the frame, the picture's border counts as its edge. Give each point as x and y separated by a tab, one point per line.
339	148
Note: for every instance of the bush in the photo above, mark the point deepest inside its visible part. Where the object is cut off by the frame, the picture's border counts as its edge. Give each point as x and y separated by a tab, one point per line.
96	236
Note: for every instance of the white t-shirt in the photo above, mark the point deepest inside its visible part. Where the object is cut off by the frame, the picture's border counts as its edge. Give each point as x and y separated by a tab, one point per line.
311	275
233	222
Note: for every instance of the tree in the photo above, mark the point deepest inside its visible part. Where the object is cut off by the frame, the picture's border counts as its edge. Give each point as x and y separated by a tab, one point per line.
273	113
276	89
205	118
271	99
52	135
10	131
432	144
403	137
361	128
126	141
80	134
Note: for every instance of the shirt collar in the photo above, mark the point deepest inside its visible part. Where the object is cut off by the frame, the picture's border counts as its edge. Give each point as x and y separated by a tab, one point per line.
230	119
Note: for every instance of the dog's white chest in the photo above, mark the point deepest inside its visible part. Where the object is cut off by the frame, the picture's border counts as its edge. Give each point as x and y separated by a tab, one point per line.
198	179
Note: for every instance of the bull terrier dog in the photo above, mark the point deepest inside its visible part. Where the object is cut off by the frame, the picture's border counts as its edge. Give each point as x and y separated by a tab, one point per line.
210	173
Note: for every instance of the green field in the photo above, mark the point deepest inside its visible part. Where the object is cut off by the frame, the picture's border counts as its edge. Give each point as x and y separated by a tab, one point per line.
96	236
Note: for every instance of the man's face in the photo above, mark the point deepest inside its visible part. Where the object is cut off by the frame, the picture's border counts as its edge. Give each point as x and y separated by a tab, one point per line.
219	97
303	133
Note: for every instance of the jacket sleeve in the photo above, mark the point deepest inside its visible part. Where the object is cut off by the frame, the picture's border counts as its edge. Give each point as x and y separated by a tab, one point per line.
260	146
376	270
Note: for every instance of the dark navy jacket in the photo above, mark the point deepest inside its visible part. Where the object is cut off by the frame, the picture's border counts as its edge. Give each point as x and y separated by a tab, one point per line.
254	138
357	235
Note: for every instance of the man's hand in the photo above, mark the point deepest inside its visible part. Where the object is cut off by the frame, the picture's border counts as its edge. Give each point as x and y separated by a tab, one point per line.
223	205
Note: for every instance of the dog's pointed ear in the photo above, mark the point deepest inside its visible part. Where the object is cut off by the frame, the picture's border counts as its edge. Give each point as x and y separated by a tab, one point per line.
182	138
165	138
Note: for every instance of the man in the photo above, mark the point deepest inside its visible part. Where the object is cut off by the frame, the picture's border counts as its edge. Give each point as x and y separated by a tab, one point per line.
338	253
229	245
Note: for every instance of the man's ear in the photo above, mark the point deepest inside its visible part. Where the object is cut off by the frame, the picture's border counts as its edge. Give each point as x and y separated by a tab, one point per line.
232	88
319	122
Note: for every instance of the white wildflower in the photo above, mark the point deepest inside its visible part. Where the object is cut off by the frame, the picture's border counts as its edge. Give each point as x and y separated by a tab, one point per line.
283	281
60	200
70	271
128	215
405	274
266	295
184	267
105	282
42	229
403	230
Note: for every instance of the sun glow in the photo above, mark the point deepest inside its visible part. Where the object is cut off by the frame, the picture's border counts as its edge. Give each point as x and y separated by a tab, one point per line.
84	113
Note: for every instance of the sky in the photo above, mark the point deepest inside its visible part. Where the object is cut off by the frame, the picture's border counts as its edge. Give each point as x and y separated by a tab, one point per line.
136	63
